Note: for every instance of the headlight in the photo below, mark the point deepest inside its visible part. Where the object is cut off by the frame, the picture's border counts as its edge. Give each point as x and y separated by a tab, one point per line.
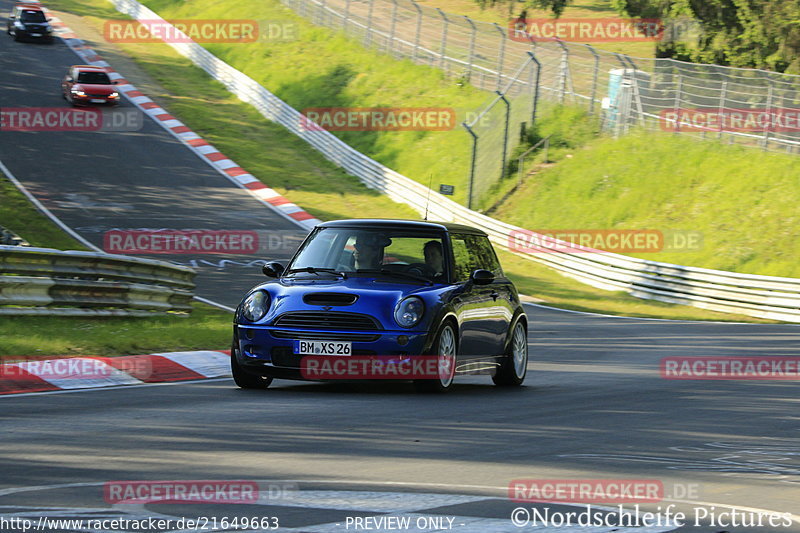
409	312
113	95
19	24
78	92
255	306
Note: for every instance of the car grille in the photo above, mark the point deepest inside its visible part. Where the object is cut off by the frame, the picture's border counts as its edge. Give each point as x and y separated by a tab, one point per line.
283	356
97	95
314	335
327	320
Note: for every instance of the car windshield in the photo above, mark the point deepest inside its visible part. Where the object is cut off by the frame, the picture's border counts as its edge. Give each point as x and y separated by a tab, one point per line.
32	16
403	255
98	78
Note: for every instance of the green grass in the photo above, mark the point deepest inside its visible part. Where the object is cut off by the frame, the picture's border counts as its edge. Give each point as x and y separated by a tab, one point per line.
21	217
323	189
207	328
742	201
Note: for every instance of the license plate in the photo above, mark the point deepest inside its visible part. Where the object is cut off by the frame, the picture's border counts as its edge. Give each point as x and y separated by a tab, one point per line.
36	34
97	101
323	348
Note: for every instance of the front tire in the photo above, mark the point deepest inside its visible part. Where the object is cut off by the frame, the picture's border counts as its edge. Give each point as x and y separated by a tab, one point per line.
243	378
515	365
446	347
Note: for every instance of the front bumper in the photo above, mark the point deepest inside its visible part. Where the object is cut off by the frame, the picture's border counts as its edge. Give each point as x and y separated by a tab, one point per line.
268	350
93	100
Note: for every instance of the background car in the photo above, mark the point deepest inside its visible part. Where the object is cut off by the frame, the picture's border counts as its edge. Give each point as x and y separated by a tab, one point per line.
87	85
29	21
384	288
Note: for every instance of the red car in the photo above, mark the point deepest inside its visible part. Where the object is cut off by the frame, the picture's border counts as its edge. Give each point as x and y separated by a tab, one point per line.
85	85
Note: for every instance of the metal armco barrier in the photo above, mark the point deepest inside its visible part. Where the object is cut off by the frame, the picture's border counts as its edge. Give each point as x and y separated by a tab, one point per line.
766	297
41	281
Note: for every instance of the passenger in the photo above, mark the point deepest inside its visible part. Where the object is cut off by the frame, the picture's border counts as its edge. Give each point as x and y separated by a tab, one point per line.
369	250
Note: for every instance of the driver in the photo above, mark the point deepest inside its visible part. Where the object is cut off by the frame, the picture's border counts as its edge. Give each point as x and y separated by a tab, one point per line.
368	252
434	257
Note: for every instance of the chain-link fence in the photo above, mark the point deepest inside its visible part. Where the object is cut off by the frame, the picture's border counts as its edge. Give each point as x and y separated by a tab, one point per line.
738	106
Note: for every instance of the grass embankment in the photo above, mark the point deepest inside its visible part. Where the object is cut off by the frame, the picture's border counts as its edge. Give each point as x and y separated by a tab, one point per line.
285	163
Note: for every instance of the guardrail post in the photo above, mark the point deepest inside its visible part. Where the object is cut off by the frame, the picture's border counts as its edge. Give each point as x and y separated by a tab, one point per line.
443	47
390	44
418	30
472	163
502	56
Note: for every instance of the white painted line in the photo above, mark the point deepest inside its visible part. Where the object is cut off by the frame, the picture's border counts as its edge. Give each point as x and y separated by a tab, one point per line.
73	391
587	313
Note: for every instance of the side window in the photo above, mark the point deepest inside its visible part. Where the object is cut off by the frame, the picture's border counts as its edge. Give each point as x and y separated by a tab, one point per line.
482	254
461	258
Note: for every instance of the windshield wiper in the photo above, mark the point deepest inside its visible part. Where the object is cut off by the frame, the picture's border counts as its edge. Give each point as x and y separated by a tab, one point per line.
388	272
317	270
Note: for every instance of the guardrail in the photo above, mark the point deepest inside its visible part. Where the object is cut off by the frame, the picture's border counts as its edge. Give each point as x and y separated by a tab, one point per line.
42	281
766	297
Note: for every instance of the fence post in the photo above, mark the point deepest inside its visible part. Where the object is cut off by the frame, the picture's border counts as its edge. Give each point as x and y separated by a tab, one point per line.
324	13
505	134
390	44
677	106
535	86
472	163
368	36
471	53
501	58
346	14
443	47
419	29
722	96
595	72
768	125
562	72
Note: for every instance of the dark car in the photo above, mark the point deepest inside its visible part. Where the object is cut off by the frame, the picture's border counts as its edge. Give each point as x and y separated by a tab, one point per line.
384	288
29	21
88	85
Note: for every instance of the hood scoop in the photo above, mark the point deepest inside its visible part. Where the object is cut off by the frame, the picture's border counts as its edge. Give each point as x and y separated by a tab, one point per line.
329	298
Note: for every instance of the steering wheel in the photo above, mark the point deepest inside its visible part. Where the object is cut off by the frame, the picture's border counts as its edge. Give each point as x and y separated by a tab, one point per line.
420	269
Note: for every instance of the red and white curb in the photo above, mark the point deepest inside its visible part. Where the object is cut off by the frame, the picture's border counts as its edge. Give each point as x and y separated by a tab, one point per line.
42	374
202	148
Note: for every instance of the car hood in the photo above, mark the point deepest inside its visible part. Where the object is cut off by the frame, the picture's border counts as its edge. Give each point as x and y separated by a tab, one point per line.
95	88
374	297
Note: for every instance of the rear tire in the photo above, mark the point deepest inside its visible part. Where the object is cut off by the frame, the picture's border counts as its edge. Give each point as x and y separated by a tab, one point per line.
515	365
245	379
445	344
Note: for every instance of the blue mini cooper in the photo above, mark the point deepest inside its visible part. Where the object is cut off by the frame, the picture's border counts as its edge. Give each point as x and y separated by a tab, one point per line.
395	288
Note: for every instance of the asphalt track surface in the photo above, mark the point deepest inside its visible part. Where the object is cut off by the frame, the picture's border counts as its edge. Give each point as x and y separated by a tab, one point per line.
594	405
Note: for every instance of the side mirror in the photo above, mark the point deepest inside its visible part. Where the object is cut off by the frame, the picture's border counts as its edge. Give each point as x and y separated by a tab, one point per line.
49	19
273	269
482	277
115	82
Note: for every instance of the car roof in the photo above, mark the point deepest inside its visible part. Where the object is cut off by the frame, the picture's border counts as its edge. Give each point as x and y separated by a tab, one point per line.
421	225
